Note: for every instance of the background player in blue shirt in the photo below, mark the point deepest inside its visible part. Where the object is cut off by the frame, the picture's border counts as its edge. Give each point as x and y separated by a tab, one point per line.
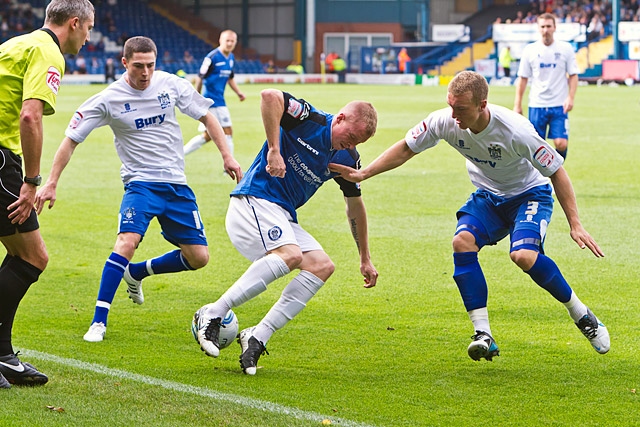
262	222
215	72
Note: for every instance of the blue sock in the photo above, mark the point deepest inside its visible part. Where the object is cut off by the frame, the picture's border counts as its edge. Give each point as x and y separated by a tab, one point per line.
111	277
171	262
547	275
470	279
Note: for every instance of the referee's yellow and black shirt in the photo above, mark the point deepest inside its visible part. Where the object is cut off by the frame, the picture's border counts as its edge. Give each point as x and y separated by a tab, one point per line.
31	67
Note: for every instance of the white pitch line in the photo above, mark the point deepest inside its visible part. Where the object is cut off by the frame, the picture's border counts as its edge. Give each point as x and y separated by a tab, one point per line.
199	391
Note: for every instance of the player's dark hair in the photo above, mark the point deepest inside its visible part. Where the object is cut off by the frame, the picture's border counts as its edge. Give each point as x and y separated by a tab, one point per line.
60	11
139	44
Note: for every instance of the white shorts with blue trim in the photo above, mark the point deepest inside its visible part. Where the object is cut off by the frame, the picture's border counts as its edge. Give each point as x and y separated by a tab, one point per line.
257	226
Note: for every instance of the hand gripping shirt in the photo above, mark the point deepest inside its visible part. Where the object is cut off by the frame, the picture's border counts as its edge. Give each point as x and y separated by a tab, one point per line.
507	158
146	133
215	71
547	67
305	146
31	67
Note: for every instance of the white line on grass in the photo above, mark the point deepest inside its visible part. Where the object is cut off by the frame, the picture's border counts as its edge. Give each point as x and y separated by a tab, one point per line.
199	391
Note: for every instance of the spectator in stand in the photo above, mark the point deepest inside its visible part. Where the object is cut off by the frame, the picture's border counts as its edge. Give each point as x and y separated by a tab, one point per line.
529	18
109	71
403	59
166	57
81	65
595	28
100	45
519	19
329	61
188	58
295	68
270	67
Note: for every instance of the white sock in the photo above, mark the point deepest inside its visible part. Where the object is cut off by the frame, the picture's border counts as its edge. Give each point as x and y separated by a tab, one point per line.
575	307
480	319
294	298
252	283
230	143
194	143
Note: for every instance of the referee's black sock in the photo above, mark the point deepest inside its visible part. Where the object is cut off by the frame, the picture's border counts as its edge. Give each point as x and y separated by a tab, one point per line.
16	276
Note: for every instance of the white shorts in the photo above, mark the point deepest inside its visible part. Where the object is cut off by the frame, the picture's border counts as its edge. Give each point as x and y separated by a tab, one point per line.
257	226
223	116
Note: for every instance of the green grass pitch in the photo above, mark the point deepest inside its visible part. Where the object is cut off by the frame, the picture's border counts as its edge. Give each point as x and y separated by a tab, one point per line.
394	355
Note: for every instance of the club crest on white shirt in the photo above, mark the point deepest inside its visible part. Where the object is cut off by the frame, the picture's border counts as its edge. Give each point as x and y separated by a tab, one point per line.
165	100
495	152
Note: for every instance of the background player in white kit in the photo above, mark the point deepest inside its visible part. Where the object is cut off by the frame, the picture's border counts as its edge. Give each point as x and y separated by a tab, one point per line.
140	109
551	65
262	221
509	164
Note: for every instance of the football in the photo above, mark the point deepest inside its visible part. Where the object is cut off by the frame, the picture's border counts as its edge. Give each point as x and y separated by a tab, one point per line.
228	329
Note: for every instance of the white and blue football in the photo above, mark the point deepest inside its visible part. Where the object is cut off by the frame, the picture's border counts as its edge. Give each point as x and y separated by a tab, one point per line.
228	329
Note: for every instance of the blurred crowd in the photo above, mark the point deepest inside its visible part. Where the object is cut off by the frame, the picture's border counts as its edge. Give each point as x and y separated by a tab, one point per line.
596	15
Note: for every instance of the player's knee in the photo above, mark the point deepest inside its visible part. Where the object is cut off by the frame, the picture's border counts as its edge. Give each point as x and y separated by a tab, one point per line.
327	266
524	258
561	144
126	244
198	259
464	241
290	254
320	265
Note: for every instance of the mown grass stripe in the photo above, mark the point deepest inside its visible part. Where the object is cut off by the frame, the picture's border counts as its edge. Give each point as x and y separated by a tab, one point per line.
199	391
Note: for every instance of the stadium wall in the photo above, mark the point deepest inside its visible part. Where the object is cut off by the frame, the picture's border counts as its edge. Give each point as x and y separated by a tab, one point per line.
271	28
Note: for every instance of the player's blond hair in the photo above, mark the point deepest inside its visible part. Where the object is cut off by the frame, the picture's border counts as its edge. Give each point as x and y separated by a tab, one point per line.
365	113
470	81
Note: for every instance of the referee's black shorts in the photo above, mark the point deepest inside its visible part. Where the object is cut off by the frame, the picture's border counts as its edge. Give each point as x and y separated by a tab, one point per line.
11	181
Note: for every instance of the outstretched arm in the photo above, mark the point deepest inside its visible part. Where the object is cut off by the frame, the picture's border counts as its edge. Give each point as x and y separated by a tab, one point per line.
357	216
567	198
214	129
60	161
391	158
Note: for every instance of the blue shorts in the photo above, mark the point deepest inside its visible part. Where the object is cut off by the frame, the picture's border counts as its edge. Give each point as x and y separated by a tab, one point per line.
491	218
552	117
173	204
